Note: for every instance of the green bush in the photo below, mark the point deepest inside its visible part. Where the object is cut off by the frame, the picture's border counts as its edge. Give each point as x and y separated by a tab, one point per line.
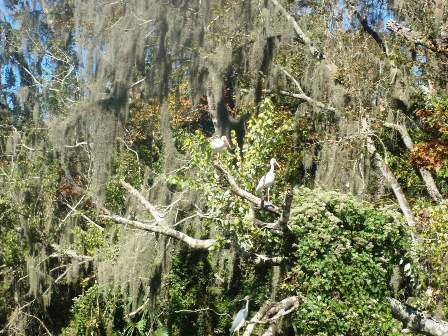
343	257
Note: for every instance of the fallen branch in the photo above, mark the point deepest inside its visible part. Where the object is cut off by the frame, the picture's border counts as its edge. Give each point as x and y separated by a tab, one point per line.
256	201
438	46
416	321
257	317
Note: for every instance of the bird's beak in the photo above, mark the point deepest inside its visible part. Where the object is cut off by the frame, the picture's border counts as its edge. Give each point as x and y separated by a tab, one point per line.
277	164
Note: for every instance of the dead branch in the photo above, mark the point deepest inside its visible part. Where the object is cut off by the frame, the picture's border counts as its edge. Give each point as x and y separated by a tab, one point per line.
201	310
416	321
256	201
438	46
261	259
198	244
158	216
139	309
257	317
431	186
303	38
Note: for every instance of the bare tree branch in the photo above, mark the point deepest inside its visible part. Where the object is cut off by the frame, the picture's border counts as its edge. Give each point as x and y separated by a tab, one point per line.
198	244
390	177
416	321
284	217
431	186
257	317
258	202
438	46
303	38
158	217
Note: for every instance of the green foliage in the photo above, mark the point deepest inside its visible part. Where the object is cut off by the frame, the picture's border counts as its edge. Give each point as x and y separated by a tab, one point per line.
343	258
191	287
432	251
94	313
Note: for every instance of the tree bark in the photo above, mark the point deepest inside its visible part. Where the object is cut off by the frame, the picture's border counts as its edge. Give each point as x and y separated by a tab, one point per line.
431	186
416	321
390	178
198	244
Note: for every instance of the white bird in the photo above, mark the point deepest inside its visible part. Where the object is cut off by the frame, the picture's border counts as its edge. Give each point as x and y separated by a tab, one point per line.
240	318
267	180
219	144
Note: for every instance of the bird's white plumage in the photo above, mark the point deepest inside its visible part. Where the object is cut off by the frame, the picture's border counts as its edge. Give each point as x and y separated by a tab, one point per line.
219	144
240	318
267	180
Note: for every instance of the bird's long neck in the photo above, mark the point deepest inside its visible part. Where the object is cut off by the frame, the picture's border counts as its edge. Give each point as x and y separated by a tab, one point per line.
272	167
247	305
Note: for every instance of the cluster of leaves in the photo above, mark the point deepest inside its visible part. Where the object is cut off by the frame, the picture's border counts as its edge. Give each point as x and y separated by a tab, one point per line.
432	154
96	312
12	255
343	259
432	251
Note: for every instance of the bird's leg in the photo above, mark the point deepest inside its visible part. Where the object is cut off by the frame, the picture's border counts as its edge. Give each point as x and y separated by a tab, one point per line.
268	193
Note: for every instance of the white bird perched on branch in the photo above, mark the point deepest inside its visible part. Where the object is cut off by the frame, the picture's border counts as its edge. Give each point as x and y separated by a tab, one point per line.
267	180
219	144
240	318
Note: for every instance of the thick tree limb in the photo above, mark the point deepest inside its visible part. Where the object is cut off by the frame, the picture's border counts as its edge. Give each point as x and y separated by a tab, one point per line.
257	317
284	217
261	259
390	178
431	186
194	243
303	38
416	321
281	309
369	30
256	201
438	46
198	244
